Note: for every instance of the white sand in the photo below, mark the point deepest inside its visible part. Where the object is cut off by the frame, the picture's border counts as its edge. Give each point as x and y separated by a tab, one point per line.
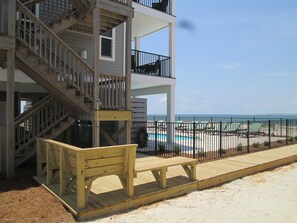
265	197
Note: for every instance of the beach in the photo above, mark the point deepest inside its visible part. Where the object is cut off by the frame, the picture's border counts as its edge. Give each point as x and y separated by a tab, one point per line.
269	196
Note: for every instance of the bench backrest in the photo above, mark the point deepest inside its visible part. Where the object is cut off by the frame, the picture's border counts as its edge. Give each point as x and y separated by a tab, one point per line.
95	162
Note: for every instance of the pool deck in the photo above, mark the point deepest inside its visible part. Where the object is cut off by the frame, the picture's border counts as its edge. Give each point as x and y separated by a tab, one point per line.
107	194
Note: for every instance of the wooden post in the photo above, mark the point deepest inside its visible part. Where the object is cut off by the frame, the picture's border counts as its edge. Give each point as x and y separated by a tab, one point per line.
96	90
80	182
10	134
128	76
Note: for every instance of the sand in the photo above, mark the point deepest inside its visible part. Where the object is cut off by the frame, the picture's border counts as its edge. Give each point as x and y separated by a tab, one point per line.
265	197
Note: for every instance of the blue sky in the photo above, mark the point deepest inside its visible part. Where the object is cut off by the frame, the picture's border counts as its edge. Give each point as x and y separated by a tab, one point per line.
240	57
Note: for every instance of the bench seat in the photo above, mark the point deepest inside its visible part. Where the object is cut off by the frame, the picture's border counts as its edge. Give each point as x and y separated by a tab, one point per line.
159	168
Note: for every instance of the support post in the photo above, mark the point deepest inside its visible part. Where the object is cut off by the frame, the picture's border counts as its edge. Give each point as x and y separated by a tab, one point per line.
10	134
172	28
128	76
248	136
96	90
220	142
269	133
170	114
287	132
194	139
156	137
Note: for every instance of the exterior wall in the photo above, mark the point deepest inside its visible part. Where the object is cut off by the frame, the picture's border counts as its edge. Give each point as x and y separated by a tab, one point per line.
139	109
80	42
1	14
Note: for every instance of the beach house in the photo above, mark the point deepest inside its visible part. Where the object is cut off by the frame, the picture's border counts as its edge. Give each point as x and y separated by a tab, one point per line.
73	70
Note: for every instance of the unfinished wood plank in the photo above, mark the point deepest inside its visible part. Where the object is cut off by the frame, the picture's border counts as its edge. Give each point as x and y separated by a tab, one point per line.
104	171
80	182
92	163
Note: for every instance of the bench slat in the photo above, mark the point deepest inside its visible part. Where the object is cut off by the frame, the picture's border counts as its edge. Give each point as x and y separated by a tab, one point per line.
92	163
157	164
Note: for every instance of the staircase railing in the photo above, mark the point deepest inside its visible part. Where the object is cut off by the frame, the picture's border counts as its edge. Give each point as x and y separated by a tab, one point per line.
50	10
68	66
38	120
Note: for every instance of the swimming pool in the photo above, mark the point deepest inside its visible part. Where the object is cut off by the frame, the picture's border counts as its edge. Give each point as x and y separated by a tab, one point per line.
161	137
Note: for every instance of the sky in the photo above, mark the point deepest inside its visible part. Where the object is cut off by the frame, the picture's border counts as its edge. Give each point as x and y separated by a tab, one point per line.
232	57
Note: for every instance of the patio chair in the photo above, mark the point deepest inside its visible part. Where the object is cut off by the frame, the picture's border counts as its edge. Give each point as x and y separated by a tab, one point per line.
161	125
254	130
232	128
216	128
201	126
178	124
161	6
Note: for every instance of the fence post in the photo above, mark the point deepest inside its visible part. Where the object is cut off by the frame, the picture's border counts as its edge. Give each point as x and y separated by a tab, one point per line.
194	139
248	136
287	135
269	133
156	136
221	139
281	127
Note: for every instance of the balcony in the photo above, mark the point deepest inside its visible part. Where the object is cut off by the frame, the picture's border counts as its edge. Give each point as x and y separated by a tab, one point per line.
160	5
150	64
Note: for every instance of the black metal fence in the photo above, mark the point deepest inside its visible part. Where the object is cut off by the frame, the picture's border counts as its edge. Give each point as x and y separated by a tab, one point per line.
150	64
207	141
161	5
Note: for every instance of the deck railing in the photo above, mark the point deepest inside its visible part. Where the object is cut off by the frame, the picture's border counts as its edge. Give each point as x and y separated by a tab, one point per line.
207	141
112	92
161	5
150	64
50	10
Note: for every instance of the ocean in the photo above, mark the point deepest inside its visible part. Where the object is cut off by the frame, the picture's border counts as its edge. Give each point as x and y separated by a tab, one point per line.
222	117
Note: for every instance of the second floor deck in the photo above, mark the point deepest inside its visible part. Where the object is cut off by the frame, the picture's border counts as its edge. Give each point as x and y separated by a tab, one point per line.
150	64
160	5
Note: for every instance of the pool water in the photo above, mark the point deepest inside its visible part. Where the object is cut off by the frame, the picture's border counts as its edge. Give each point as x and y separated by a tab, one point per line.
164	137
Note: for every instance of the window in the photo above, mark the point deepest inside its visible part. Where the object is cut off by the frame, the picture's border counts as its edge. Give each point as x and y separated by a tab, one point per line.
107	45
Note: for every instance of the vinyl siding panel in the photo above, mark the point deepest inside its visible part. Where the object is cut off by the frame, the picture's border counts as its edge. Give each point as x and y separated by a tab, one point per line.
80	42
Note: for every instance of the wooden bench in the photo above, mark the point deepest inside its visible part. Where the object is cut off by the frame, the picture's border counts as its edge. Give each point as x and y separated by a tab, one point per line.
73	167
159	167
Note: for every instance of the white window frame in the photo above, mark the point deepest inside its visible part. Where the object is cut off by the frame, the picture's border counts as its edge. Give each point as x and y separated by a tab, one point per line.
113	39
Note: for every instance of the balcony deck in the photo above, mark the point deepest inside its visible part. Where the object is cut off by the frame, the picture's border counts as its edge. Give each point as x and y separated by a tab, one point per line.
107	195
160	5
150	64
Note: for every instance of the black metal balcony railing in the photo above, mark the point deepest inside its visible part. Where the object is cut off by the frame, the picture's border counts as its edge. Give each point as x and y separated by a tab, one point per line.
150	64
161	5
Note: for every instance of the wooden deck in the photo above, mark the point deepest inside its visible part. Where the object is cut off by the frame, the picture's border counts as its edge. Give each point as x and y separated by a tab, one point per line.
107	195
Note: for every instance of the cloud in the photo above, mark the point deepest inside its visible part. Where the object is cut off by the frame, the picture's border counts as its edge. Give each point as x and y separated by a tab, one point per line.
163	99
228	66
279	74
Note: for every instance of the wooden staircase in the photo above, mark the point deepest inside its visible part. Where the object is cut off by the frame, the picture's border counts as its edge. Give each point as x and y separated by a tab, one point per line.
48	118
44	57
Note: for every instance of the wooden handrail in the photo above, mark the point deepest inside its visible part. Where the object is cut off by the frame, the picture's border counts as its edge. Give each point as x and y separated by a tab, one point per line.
36	107
65	63
38	120
46	44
